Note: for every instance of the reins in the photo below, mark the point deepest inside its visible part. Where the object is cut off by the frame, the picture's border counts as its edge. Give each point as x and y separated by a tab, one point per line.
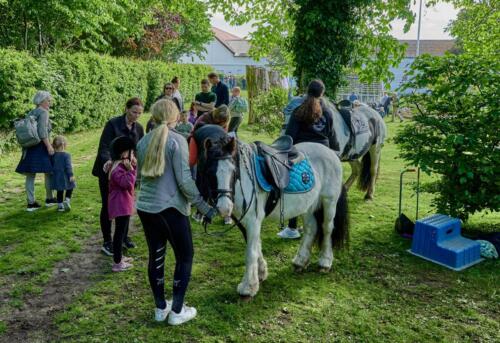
230	193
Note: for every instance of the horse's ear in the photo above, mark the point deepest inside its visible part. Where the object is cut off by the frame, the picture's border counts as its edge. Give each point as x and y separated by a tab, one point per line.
230	145
208	144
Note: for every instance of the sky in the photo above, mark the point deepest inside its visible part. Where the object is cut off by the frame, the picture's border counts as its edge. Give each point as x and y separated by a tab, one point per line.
434	22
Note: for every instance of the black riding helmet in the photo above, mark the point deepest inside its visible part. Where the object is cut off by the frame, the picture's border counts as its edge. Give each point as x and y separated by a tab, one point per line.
119	145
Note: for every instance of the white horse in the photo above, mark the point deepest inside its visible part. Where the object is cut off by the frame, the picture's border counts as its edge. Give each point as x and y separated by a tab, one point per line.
231	175
362	150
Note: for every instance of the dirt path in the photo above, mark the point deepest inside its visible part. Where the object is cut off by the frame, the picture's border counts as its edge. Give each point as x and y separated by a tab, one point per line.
34	321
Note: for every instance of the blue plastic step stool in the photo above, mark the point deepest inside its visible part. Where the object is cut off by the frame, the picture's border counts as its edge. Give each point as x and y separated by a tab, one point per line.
437	238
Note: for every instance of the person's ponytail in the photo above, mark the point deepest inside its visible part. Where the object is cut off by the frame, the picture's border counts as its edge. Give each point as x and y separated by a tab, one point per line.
163	113
310	111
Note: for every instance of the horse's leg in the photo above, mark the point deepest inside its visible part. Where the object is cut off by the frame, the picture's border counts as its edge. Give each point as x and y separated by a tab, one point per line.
249	285
355	170
326	253
375	153
301	260
262	265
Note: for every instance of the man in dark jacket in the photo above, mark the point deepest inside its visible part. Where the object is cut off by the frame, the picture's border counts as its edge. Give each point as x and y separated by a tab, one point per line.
220	89
124	125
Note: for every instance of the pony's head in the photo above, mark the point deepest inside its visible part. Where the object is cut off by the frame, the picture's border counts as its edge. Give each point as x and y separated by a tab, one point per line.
220	169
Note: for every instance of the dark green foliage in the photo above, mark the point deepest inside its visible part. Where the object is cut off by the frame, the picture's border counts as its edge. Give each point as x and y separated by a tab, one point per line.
268	110
455	133
88	88
324	39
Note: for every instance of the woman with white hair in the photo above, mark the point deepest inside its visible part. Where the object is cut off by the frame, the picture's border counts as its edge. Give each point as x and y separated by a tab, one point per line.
36	159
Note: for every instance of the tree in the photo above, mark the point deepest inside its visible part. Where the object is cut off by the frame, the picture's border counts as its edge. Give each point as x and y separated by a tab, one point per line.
455	132
476	28
143	28
313	35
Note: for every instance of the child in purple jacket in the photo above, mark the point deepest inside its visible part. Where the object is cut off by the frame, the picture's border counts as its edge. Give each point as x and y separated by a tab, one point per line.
121	196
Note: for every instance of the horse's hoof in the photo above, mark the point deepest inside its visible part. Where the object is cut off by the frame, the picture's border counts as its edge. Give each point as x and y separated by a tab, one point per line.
324	270
246	298
368	198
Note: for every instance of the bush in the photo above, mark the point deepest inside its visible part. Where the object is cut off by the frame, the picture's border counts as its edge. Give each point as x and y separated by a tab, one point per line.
268	110
88	88
455	131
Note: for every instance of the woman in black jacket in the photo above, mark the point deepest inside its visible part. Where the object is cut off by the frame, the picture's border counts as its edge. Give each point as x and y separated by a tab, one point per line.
311	122
124	125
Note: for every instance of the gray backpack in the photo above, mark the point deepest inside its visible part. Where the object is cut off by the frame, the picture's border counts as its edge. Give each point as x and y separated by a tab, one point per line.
27	131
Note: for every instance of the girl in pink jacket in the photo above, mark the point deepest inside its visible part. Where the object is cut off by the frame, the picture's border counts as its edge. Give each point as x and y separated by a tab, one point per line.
121	196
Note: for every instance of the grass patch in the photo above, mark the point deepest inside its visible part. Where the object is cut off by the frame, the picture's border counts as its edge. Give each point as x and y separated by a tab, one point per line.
376	291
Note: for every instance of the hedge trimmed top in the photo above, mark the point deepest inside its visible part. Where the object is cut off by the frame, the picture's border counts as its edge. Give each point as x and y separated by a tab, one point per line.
88	88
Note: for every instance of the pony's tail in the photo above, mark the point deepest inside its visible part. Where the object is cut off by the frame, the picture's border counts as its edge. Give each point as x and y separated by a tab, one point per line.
340	235
366	175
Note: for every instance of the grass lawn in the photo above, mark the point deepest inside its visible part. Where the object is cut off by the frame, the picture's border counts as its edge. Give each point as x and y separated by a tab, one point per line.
375	292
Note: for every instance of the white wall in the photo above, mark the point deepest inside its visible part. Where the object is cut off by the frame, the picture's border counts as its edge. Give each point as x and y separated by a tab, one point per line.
222	60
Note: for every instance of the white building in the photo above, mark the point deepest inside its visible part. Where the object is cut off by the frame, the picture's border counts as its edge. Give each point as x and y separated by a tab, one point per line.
226	53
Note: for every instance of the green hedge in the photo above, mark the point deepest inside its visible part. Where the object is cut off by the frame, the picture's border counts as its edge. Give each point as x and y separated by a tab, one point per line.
88	88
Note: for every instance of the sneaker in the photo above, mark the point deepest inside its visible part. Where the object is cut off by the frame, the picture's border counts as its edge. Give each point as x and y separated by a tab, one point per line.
107	248
288	233
128	244
127	259
60	207
186	314
50	202
198	217
121	267
228	221
161	314
33	207
67	204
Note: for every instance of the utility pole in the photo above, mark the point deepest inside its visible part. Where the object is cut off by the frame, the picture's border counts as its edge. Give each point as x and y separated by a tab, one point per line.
418	30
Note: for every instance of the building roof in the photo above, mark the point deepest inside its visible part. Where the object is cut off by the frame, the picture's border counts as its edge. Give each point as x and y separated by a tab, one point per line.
432	47
237	45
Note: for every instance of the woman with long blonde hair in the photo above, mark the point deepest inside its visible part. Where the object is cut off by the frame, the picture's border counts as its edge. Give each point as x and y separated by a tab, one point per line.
163	205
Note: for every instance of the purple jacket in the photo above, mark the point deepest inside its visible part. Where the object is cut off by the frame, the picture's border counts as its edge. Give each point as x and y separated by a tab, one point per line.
121	192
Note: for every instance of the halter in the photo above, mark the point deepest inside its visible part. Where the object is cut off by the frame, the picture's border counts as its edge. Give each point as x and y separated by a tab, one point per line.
221	192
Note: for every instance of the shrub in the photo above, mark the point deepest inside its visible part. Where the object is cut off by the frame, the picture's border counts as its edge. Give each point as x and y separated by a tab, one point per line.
455	131
88	88
267	110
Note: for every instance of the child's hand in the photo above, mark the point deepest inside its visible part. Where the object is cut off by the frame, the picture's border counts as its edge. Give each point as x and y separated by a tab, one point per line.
133	160
127	164
72	179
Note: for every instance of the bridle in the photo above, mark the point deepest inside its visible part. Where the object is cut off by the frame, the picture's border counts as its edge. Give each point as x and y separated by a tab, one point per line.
229	193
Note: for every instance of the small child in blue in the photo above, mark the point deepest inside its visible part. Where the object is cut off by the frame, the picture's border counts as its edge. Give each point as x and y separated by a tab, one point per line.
62	179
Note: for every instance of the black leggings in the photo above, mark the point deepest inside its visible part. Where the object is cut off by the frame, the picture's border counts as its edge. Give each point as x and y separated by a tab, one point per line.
60	195
173	226
104	216
121	227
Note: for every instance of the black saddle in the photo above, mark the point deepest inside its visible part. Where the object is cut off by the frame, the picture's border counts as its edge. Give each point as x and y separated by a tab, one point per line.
345	109
278	159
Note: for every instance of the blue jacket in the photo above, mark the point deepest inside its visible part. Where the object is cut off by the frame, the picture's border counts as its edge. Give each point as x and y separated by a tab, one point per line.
62	171
222	93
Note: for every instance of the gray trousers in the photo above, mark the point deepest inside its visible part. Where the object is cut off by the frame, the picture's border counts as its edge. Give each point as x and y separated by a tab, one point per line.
30	187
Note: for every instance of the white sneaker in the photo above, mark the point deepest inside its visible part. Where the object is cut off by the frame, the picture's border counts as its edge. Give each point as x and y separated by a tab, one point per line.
161	315
67	204
228	221
288	233
186	314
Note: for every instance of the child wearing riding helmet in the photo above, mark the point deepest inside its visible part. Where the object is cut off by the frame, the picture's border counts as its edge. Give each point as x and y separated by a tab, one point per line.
163	205
121	196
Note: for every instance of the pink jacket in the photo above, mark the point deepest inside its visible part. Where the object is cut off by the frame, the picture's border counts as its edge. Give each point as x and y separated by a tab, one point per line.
121	192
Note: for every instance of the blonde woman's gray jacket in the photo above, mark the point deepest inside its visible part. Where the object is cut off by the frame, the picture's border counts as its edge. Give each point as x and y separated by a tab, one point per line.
176	187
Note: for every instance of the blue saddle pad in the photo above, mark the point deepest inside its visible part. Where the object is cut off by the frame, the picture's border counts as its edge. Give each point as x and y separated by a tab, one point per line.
301	176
